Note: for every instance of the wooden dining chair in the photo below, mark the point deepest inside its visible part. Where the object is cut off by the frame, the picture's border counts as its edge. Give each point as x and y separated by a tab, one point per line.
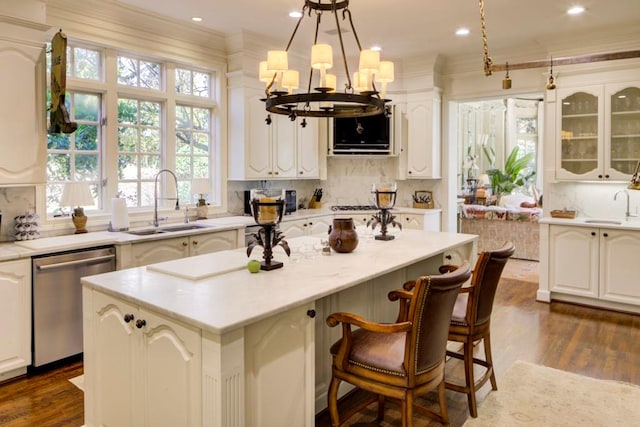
398	360
471	320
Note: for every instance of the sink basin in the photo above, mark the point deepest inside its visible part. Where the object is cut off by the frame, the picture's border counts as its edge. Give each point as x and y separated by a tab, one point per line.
602	221
184	227
152	231
146	232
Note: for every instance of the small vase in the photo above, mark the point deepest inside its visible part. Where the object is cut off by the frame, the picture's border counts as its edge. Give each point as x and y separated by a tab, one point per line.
342	236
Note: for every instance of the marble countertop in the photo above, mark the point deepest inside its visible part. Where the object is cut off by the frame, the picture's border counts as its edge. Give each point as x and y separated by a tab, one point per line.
222	303
612	223
29	248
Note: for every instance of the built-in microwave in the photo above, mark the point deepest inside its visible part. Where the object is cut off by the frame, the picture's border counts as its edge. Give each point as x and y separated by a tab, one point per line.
361	135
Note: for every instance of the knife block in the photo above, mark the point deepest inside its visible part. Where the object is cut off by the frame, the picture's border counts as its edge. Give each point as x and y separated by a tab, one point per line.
314	203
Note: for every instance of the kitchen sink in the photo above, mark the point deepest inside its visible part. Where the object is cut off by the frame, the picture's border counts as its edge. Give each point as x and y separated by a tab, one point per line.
172	229
184	227
602	221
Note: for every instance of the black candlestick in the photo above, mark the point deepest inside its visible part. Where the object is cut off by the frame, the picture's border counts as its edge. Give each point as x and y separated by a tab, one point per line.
268	214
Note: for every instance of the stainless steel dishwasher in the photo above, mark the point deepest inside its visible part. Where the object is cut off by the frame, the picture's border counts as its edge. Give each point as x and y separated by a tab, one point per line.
57	300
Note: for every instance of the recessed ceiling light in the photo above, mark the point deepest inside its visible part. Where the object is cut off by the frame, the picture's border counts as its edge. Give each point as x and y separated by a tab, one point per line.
575	10
296	14
196	19
462	32
376	48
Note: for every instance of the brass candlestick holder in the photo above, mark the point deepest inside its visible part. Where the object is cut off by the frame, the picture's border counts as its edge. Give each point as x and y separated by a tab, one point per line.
385	199
267	212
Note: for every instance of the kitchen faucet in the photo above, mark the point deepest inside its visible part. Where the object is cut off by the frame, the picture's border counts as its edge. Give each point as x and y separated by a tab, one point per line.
627	214
155	195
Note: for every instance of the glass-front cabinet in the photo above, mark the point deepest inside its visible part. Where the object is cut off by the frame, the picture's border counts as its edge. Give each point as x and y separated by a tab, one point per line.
623	128
599	132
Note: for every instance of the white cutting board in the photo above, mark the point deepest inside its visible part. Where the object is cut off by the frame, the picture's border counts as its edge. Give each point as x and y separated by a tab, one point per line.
202	266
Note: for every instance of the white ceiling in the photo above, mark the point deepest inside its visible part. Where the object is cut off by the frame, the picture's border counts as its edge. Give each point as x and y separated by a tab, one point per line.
406	28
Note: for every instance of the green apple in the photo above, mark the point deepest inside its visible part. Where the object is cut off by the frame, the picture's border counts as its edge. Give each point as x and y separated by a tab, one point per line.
253	266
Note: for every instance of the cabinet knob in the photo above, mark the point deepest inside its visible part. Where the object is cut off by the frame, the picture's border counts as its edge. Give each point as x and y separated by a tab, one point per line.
195	243
301	172
304	225
448	257
311	313
606	176
409	172
605	234
600	176
141	323
184	243
277	173
593	233
310	223
128	317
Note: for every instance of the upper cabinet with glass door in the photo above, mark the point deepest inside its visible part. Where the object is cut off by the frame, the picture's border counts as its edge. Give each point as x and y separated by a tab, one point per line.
579	154
599	132
622	127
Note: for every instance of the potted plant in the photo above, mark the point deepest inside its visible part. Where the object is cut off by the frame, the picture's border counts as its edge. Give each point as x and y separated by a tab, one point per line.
516	173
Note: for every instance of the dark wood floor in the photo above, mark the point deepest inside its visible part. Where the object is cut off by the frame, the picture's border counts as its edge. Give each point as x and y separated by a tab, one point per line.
587	341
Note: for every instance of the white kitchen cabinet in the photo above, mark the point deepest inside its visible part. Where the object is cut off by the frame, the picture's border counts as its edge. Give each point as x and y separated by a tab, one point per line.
598	132
306	227
594	262
15	317
573	260
161	250
280	367
282	149
619	268
142	369
22	119
421	151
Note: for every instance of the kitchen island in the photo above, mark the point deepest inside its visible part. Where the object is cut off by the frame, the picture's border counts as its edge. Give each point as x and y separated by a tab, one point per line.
178	344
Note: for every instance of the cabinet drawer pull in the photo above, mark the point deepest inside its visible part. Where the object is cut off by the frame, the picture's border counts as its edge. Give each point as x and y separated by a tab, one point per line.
195	242
606	176
600	176
593	233
140	323
128	317
184	243
605	234
448	257
311	313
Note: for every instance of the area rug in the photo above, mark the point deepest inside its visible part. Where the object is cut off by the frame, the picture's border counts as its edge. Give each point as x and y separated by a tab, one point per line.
78	381
534	395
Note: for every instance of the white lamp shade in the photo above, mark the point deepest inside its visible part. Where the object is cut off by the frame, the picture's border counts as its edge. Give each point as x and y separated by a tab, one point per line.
385	73
360	82
264	75
369	61
321	56
291	79
76	194
200	186
277	61
331	81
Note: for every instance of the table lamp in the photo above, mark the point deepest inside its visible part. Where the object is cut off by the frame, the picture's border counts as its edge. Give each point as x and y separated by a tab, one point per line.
201	186
77	194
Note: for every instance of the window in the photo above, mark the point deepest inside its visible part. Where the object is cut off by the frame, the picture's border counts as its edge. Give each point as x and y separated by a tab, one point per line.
165	120
138	150
193	141
76	156
138	73
192	83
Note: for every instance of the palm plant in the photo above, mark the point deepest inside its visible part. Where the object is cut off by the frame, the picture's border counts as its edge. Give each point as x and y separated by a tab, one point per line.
516	173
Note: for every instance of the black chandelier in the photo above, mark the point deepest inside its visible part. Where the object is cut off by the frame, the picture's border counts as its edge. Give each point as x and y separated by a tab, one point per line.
360	96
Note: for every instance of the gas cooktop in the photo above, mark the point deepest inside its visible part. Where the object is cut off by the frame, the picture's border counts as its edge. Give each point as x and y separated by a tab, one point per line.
353	208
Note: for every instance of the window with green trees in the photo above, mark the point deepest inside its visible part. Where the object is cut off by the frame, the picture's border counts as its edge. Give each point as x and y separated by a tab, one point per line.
164	120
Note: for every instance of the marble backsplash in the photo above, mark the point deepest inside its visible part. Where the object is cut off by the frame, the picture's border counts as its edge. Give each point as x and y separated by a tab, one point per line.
14	201
593	200
349	181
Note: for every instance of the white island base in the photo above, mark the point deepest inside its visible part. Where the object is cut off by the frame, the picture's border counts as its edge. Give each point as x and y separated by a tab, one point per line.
238	349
